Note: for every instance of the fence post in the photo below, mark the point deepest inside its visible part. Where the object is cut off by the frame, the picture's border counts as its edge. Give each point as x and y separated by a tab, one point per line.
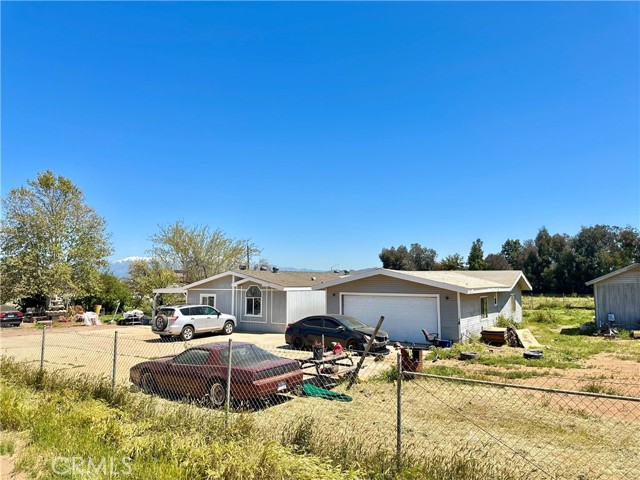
399	413
228	399
115	358
44	329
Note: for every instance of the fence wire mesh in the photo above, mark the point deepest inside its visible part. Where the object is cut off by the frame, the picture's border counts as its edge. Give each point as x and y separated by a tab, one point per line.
542	423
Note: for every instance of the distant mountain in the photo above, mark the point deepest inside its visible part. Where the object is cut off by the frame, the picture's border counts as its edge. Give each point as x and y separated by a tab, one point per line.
120	268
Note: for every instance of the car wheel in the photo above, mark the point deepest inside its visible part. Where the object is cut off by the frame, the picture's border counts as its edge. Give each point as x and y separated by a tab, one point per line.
468	355
533	354
228	328
148	383
160	322
187	333
298	342
217	393
354	346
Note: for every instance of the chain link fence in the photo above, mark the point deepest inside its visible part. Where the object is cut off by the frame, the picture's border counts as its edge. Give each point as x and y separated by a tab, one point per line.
395	409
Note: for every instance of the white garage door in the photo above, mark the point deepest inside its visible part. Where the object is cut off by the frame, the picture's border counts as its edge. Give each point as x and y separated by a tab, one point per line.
404	316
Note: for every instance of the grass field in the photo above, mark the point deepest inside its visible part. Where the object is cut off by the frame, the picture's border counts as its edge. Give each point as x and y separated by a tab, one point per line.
450	429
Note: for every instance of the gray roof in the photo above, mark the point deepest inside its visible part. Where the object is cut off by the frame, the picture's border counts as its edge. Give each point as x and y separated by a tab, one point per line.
613	274
463	281
289	279
278	280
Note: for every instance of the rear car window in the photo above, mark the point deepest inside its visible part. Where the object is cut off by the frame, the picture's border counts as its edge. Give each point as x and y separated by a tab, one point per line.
186	311
167	311
192	357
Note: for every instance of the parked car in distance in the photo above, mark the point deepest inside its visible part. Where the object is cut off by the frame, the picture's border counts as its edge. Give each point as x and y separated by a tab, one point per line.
348	331
201	372
10	316
188	320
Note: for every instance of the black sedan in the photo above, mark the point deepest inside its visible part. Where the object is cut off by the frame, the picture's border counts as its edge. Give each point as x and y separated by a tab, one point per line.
11	318
348	331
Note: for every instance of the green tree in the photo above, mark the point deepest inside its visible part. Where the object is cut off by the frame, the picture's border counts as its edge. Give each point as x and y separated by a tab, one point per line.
144	276
395	258
496	261
475	260
415	258
111	293
452	262
52	242
512	251
199	252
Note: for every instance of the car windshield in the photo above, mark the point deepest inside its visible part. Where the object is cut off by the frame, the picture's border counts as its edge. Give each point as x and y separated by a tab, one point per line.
351	322
246	356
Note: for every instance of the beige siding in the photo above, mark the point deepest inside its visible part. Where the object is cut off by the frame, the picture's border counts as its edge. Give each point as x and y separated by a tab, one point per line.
619	295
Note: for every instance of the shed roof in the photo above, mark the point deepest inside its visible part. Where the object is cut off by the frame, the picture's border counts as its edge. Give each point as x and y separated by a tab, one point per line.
613	274
463	281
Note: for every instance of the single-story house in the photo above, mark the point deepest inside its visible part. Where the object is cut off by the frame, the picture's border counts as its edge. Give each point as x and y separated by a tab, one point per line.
261	300
618	293
454	304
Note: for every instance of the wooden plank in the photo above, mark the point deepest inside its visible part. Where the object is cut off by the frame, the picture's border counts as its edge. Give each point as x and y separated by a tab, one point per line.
527	339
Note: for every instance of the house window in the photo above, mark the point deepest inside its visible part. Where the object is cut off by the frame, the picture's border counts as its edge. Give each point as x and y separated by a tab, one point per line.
254	301
484	307
495	299
208	300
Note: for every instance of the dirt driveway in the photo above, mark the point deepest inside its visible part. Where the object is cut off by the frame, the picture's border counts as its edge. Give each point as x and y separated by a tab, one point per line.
90	349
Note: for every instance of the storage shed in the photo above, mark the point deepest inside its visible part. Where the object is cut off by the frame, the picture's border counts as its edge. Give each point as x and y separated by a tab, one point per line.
618	293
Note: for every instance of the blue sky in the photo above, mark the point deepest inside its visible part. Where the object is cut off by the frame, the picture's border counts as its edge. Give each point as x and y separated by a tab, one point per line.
326	131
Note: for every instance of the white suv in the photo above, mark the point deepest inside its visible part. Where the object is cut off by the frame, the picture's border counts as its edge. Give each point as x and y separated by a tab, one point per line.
187	320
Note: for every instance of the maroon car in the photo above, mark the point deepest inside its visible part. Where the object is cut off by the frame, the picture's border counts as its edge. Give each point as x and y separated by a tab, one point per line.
201	372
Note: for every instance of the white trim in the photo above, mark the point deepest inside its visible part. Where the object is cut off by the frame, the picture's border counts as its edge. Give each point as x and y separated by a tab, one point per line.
209	289
459	311
259	282
424	281
261	297
215	299
210	279
422	295
293	289
170	290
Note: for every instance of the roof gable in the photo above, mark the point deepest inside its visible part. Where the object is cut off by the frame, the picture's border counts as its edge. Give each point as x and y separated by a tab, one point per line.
633	266
462	281
278	280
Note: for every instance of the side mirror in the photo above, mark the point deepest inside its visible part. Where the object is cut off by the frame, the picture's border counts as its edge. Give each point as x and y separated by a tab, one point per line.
341	328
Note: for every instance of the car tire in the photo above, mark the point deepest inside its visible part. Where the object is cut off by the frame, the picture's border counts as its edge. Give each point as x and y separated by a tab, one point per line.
217	393
533	354
148	383
354	346
187	333
228	327
298	342
468	355
160	323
